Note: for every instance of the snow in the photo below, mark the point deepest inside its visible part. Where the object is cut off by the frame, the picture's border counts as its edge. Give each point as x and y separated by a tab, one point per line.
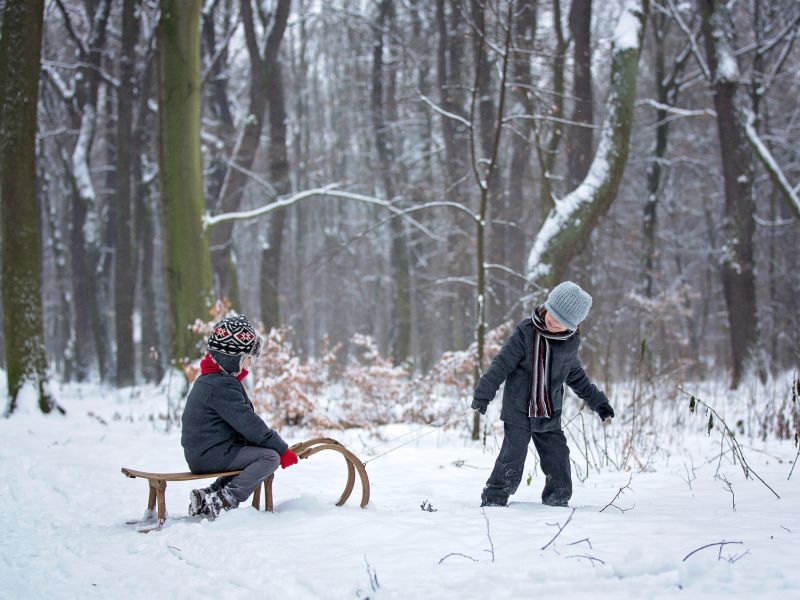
66	505
80	155
626	32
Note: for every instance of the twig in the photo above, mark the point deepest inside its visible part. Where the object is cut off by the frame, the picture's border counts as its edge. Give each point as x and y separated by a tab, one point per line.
794	464
619	492
560	529
457	554
737	449
720	544
690	477
489	535
581	541
373	576
593	559
728	487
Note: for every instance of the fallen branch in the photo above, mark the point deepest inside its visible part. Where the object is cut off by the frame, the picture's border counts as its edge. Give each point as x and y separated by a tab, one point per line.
560	529
441	560
720	544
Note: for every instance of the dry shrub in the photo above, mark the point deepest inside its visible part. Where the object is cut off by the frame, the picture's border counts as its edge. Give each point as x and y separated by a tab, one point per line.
286	387
373	387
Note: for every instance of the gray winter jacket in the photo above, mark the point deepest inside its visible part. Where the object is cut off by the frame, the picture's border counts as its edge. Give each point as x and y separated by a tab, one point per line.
513	365
218	420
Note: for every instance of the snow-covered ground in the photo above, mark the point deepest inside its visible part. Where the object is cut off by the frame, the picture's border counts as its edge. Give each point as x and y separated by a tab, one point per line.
65	506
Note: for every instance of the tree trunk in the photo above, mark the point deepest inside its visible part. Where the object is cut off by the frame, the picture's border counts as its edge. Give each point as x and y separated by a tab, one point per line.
514	232
23	332
486	173
181	171
571	221
579	137
737	268
124	273
400	329
244	154
279	175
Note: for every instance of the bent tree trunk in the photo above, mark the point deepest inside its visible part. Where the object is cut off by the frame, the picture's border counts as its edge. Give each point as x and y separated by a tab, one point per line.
572	219
23	331
187	259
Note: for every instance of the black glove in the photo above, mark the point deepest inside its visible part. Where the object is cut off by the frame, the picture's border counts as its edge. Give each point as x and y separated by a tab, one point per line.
604	411
480	405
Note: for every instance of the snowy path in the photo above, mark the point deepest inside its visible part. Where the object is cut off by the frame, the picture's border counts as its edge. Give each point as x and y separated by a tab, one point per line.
65	506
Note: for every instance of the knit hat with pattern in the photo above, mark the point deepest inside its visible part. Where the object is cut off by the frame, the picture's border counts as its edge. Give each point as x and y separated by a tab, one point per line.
235	336
569	304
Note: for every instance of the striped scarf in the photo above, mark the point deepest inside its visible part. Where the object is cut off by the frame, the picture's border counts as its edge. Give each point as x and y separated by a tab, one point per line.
540	404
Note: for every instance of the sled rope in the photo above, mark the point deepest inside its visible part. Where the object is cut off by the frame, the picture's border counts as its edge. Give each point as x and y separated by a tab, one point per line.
414	439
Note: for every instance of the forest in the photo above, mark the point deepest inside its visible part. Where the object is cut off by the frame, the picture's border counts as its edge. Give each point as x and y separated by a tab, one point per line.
396	183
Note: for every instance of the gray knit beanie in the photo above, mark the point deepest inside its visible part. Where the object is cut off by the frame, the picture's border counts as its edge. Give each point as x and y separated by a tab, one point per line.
569	304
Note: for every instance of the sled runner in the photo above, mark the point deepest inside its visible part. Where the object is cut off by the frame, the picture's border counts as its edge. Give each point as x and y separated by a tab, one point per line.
156	513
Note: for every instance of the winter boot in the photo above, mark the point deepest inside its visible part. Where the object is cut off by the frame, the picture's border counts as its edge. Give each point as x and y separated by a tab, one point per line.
197	498
216	502
197	502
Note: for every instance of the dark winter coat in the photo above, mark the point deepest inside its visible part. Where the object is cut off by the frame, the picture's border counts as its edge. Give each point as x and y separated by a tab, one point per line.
218	420
513	365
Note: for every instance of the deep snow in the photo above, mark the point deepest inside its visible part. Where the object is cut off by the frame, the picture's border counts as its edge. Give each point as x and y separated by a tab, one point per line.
65	504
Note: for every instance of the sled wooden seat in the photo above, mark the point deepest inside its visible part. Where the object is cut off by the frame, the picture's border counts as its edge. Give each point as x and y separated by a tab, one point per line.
158	486
156	513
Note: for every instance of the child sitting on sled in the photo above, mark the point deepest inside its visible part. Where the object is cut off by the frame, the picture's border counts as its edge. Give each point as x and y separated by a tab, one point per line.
221	431
535	362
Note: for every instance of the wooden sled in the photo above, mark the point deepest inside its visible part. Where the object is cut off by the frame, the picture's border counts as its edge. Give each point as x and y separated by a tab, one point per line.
156	514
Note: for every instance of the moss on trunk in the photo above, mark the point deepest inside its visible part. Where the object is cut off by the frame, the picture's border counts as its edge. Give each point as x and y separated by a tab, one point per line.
181	170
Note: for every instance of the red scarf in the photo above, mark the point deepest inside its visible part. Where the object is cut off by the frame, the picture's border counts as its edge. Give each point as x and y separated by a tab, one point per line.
208	365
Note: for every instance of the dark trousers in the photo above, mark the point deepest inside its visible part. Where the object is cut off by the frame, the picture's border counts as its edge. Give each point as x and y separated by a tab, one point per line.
507	473
255	464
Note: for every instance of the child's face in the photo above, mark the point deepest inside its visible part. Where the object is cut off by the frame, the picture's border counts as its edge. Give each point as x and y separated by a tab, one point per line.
247	362
553	324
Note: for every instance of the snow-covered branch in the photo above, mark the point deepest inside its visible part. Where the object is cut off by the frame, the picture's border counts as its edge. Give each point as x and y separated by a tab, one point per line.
681	112
770	164
332	191
443	112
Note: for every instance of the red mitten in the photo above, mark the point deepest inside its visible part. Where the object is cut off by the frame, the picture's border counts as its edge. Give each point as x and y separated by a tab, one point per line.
288	459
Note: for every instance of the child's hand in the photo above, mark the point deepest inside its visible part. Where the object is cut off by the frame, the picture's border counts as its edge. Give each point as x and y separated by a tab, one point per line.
480	405
605	412
288	459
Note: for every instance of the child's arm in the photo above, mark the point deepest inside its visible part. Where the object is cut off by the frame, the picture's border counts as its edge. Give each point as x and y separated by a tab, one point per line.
232	407
510	355
580	383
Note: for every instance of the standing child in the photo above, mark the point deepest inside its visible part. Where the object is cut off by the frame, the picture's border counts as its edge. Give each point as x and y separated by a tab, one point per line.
535	362
221	431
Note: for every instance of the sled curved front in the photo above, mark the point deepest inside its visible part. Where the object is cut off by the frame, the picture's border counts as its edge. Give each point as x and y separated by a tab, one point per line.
311	447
